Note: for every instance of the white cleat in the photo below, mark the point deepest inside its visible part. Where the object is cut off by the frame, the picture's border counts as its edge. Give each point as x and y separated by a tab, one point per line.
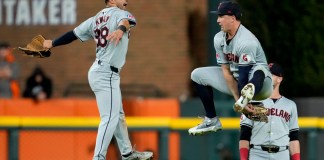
208	125
136	155
247	94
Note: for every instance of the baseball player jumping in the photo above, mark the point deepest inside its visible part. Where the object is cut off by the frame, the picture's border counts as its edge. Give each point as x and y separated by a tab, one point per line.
243	68
277	139
110	29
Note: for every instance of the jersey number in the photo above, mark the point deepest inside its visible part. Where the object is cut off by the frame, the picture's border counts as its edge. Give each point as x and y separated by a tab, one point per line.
101	35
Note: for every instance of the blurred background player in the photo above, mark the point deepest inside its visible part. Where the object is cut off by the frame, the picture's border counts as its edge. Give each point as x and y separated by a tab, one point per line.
9	87
243	68
38	86
277	138
110	29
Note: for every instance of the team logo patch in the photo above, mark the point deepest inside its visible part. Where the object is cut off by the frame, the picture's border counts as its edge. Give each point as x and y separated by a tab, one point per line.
270	65
246	58
217	55
131	16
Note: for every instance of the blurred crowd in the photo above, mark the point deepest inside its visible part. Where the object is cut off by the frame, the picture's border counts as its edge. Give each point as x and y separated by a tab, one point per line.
38	86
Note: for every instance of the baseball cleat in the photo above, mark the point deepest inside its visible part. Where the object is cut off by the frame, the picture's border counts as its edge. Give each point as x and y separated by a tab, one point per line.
208	125
136	155
247	94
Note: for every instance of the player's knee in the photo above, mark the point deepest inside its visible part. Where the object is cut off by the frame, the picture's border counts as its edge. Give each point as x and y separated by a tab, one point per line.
195	75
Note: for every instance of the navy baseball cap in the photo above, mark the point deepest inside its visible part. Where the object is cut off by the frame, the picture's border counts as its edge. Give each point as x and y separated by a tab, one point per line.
276	69
228	8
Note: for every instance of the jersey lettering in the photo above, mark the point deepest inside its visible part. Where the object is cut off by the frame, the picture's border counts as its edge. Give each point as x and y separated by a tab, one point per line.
101	19
232	57
280	113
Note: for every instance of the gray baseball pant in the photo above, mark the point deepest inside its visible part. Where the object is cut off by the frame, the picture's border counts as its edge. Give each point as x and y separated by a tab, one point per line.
256	154
213	76
106	86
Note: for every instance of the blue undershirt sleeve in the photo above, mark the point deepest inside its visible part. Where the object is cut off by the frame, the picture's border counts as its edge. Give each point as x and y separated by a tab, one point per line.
243	76
67	38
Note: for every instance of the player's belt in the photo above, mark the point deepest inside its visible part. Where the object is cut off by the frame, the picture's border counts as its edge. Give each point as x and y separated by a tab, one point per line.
112	68
269	148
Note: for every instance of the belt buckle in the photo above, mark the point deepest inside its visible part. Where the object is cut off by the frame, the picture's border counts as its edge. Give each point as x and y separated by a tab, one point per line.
270	148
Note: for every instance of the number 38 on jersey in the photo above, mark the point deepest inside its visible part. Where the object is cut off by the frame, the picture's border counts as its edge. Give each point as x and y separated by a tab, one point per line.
101	35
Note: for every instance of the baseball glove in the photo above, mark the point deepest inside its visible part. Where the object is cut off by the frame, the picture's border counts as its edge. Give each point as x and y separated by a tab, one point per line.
259	114
35	48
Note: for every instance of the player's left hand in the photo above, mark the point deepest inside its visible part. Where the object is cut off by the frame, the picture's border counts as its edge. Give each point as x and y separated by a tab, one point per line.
115	36
47	44
35	48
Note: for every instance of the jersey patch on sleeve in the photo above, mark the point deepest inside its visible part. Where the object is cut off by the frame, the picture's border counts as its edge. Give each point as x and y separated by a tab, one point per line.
131	19
245	59
217	56
131	16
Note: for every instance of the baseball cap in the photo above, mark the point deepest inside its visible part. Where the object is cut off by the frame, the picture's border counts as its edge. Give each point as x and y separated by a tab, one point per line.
228	8
276	69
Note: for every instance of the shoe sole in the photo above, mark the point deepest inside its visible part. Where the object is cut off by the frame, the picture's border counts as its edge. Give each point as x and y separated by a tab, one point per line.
151	158
203	132
237	108
247	89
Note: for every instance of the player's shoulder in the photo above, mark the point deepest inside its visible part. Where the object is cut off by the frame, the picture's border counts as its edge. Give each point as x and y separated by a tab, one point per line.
245	33
123	12
126	14
244	121
219	36
267	102
288	101
246	37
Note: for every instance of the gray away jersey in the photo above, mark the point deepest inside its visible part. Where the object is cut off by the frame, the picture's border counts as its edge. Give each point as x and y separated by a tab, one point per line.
283	118
98	28
244	49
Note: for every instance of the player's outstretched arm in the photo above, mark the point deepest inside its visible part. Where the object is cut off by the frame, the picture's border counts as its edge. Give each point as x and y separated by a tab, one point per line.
66	38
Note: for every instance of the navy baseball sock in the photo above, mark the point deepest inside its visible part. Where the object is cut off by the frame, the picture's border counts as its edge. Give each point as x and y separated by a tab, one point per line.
206	95
257	80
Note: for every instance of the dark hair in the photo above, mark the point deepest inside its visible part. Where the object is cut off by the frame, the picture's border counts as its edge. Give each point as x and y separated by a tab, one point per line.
106	1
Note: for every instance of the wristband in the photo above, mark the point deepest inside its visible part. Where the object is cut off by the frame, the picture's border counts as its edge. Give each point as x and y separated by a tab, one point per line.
295	156
122	28
244	153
